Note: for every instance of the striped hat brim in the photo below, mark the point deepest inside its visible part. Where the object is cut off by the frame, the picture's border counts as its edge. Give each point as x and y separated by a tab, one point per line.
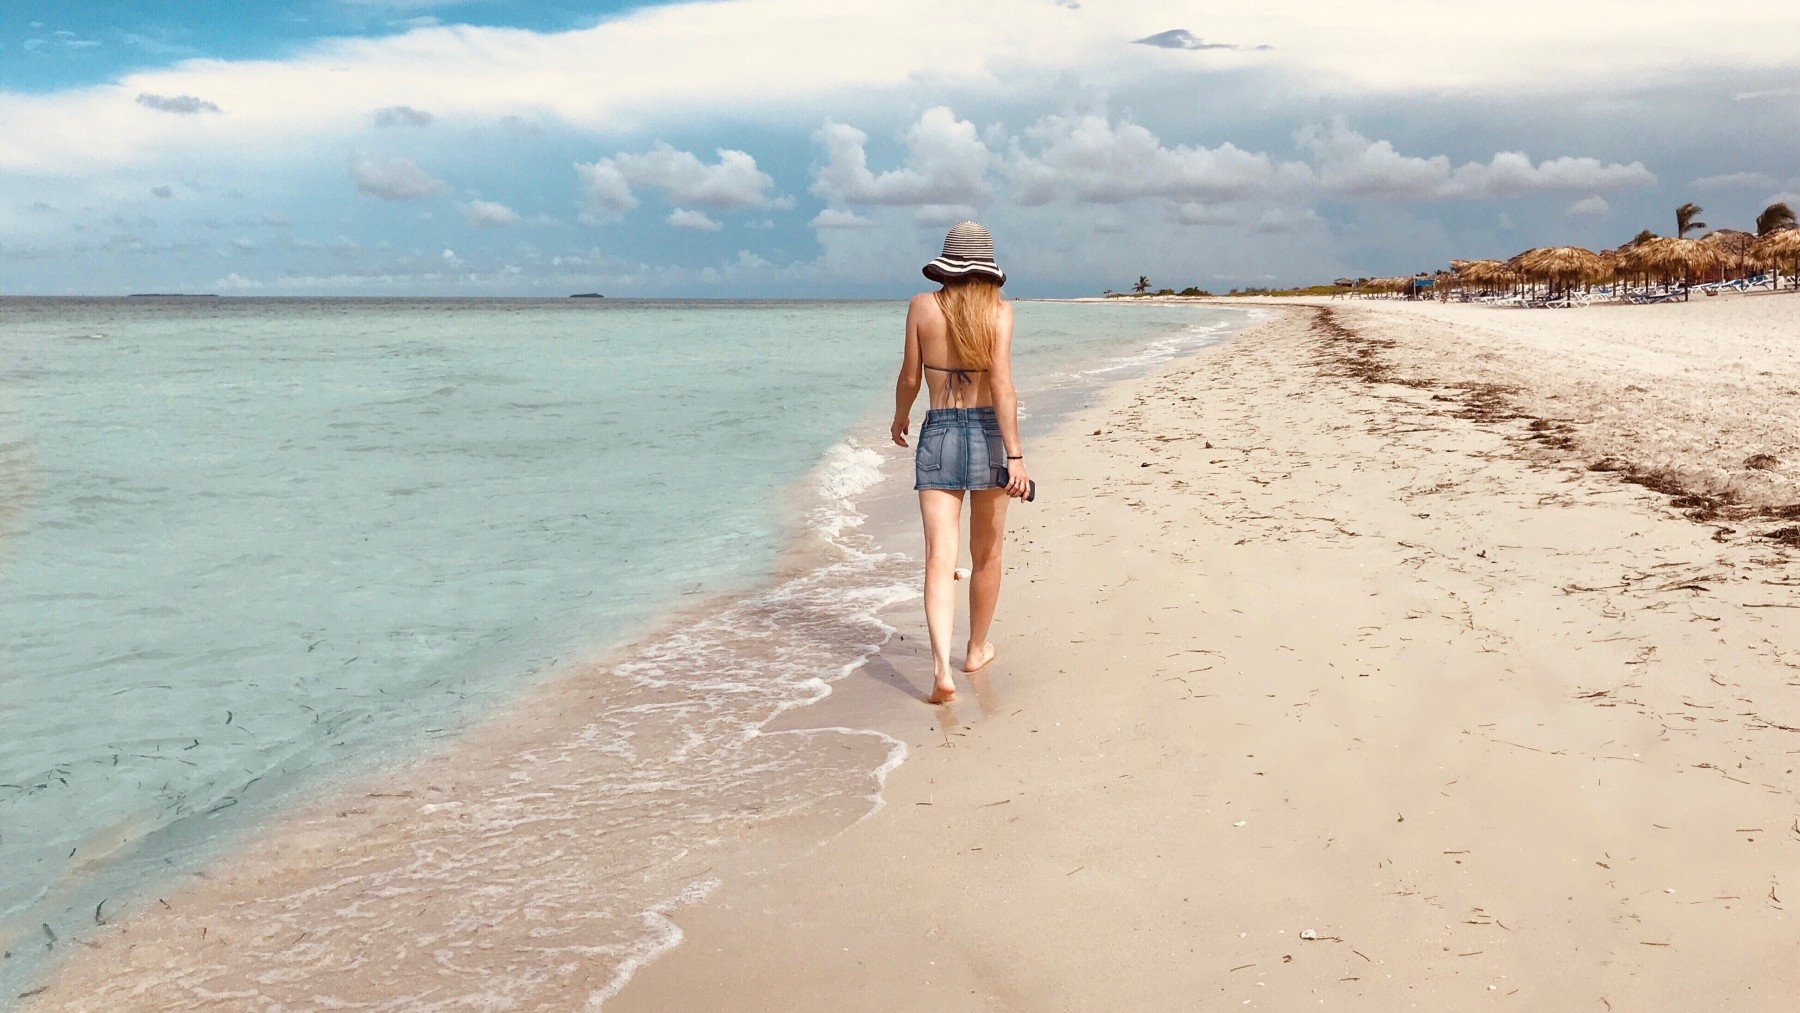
949	267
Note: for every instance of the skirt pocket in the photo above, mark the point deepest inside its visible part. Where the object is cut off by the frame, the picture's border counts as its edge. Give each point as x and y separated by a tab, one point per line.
930	458
996	459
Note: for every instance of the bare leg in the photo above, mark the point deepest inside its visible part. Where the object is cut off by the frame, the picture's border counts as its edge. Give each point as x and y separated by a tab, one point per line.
987	531
941	509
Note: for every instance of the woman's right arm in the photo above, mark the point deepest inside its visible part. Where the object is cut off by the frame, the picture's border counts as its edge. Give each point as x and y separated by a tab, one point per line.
906	389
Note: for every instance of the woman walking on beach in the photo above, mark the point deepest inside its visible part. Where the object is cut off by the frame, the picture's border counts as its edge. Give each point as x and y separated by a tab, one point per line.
959	345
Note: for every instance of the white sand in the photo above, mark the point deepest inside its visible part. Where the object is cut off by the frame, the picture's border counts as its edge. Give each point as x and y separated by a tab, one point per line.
1312	689
1362	705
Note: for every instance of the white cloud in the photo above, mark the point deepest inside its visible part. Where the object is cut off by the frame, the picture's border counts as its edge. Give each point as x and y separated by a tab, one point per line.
185	105
449	257
943	215
489	214
236	282
1276	221
1737	181
733	181
1197	213
393	179
684	219
832	218
946	163
739	55
1181	38
1349	164
1751	96
1592	206
606	188
1091	159
402	116
1269	221
746	262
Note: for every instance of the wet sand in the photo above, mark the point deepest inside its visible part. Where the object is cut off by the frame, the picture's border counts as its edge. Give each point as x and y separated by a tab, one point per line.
1331	673
532	861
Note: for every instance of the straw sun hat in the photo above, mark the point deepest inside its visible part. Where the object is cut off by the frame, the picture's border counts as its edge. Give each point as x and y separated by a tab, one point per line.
968	250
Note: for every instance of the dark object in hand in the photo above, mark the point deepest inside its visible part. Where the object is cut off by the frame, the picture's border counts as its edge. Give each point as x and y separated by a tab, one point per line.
1030	485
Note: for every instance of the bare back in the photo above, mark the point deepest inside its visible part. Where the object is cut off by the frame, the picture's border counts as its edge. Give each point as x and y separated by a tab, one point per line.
947	381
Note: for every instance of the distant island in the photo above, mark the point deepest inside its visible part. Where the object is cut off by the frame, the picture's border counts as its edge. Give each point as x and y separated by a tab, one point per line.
173	295
587	295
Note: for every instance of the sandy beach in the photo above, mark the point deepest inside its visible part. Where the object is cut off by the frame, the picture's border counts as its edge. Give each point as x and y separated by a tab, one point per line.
1333	673
1385	656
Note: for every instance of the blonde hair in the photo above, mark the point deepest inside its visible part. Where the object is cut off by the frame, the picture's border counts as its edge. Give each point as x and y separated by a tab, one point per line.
971	308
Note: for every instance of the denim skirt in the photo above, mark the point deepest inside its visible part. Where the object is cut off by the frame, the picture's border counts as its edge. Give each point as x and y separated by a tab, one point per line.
960	448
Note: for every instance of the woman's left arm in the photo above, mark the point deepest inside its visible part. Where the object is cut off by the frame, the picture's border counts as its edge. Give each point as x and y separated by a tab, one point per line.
1006	405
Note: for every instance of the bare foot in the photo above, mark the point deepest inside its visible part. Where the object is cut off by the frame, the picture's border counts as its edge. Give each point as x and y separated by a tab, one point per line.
978	658
942	694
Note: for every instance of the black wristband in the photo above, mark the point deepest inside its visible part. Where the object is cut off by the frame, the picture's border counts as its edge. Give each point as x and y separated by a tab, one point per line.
1010	457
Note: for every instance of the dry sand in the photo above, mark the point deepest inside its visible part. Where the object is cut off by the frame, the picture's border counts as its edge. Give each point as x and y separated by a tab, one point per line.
1317	688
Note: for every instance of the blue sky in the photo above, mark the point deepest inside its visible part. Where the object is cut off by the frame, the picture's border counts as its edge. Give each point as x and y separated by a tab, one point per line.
51	44
814	148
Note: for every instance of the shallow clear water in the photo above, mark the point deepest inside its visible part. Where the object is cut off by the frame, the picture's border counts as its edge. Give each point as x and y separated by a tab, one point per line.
248	543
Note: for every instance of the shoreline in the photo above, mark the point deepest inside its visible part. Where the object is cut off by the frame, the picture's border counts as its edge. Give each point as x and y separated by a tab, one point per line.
1462	718
306	846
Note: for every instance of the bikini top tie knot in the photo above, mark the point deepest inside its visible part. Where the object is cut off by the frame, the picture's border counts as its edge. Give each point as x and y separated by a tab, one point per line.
961	376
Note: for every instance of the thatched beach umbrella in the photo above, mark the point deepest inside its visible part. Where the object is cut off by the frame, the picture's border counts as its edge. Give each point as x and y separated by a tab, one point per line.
1670	259
1487	273
1779	249
1561	265
1738	249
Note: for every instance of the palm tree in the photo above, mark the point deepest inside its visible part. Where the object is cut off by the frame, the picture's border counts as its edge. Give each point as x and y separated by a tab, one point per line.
1687	219
1142	286
1774	218
1642	237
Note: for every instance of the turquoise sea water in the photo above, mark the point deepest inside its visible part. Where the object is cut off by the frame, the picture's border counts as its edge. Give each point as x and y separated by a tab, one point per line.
249	544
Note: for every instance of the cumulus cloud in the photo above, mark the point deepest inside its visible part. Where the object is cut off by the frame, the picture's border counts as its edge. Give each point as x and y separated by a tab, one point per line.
1276	221
1181	38
684	219
1590	206
732	182
489	214
185	105
832	218
615	73
1349	164
1093	160
402	116
943	215
606	188
1269	221
946	163
393	179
